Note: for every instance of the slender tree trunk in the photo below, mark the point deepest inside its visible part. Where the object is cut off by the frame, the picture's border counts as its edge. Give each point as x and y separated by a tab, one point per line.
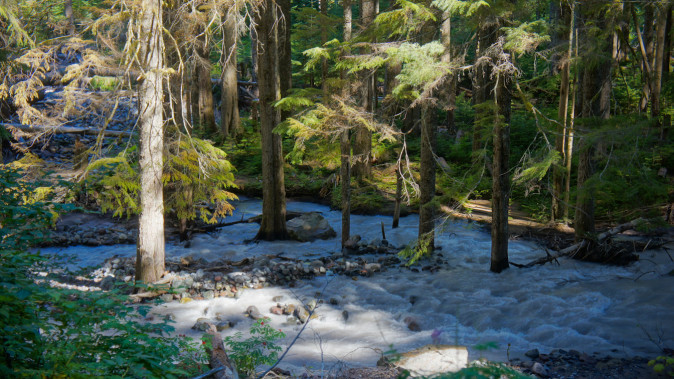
446	30
563	110
150	247
362	148
324	39
427	181
205	89
345	143
646	44
399	194
273	225
667	117
70	17
285	53
596	90
500	177
345	175
253	55
569	139
229	100
482	82
659	53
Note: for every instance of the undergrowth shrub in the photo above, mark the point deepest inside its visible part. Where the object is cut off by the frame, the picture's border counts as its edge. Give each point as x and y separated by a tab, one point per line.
52	332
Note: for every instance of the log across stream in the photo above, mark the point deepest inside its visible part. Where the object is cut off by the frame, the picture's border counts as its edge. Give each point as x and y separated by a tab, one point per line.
574	305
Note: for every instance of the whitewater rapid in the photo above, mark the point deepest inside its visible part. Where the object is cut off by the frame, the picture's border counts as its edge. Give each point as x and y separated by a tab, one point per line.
622	311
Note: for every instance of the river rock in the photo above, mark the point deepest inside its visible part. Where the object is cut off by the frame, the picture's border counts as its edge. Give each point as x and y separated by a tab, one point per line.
431	360
202	324
301	314
310	227
533	353
540	370
254	313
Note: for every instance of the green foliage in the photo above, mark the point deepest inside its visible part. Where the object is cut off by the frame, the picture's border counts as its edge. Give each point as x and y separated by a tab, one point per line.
663	365
484	370
405	21
259	349
421	68
526	37
194	172
115	183
53	332
465	8
535	170
103	83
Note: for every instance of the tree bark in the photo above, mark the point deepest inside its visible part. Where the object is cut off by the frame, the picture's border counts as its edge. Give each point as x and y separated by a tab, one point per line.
595	93
285	53
205	87
562	111
324	38
70	17
273	225
229	100
482	82
500	176
362	148
150	247
659	53
427	182
345	144
450	91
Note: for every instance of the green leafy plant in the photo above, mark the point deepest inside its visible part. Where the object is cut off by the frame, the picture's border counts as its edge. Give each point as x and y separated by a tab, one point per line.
46	331
258	349
663	365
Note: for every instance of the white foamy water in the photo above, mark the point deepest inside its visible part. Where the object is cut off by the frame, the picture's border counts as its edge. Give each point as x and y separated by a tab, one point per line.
576	305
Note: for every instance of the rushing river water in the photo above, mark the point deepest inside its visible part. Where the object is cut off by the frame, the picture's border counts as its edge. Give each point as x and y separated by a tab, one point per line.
574	305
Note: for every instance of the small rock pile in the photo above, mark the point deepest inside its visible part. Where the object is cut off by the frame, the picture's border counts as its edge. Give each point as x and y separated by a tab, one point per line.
71	235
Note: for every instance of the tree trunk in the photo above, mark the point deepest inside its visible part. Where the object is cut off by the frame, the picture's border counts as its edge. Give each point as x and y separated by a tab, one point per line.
659	53
345	144
285	53
324	39
427	182
563	110
70	17
253	55
667	117
345	175
150	247
362	148
450	92
229	99
205	91
399	190
569	140
273	225
595	103
482	83
500	177
647	51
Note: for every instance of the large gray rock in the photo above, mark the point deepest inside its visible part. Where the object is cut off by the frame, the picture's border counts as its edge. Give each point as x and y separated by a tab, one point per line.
310	227
431	360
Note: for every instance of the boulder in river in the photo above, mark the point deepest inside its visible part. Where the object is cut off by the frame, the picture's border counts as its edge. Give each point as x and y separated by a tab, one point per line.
310	227
431	360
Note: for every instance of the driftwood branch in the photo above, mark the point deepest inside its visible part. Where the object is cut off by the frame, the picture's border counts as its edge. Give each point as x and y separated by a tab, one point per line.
221	366
575	248
65	130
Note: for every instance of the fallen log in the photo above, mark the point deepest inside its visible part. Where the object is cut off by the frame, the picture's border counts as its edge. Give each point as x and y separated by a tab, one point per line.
221	366
574	249
65	130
